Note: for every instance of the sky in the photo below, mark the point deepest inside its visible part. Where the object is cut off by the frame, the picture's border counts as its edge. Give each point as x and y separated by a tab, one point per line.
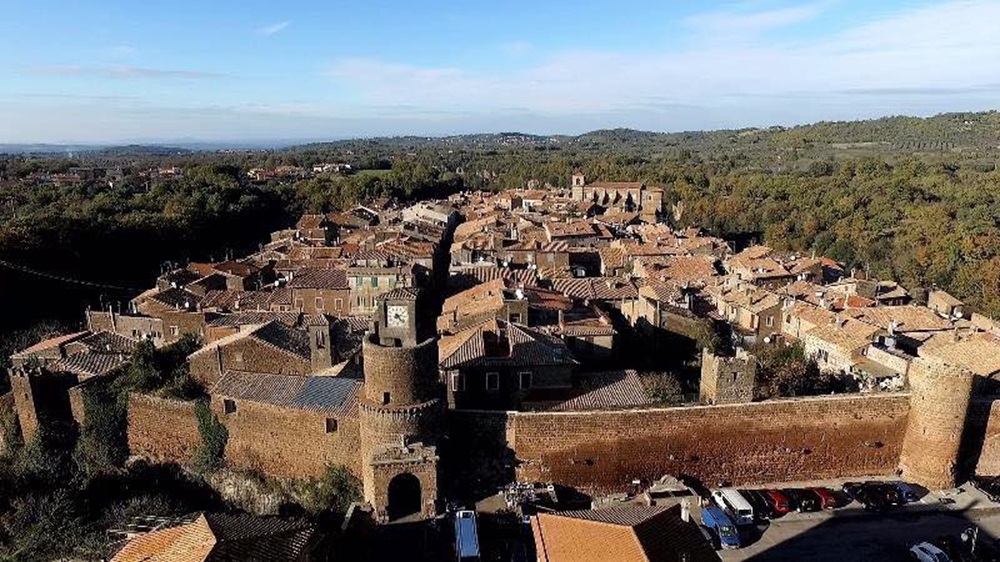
110	71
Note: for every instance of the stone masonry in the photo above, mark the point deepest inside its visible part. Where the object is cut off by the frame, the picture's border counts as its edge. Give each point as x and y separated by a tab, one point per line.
727	380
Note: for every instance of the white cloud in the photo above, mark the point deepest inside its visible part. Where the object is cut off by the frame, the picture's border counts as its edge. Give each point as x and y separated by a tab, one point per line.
274	28
742	22
118	71
953	45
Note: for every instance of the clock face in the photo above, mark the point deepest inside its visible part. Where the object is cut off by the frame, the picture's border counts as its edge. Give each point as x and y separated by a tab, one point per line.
397	316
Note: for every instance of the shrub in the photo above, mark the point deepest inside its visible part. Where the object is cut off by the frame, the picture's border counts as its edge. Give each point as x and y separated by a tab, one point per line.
214	436
334	491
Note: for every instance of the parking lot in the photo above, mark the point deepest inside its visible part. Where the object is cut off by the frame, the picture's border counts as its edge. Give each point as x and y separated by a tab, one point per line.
851	533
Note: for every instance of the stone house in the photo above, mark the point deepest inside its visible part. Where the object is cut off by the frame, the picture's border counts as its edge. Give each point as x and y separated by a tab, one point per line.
320	291
753	312
499	365
289	425
368	283
270	348
944	304
839	345
490	300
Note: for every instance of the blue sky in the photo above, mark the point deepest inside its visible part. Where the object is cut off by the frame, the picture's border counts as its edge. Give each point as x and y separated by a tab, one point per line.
224	70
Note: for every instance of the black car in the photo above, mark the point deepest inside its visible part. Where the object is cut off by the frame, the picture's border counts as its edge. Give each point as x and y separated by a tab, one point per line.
802	500
989	485
865	496
762	509
886	491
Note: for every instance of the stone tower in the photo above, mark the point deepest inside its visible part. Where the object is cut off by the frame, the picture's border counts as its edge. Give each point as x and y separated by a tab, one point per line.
401	410
727	380
939	405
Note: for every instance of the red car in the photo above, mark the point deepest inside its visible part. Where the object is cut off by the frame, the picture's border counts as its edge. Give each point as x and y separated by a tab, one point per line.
826	498
779	503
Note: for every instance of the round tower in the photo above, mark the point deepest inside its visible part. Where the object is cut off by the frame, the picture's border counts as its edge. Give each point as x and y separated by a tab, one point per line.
939	405
400	410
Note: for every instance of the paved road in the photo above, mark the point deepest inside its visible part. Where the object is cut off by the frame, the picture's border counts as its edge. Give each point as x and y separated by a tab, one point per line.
882	538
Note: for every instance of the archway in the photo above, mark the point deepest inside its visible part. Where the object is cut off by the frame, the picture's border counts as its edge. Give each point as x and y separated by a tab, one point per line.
404	496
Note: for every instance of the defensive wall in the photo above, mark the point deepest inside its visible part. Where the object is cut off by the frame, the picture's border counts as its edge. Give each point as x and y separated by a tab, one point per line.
780	440
162	430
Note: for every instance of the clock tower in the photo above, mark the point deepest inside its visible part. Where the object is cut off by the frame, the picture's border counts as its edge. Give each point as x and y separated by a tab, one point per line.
400	410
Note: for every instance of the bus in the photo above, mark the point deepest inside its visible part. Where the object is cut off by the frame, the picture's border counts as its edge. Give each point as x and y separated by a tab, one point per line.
735	505
466	537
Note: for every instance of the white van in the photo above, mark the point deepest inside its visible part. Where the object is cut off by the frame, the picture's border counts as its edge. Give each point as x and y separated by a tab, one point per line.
730	500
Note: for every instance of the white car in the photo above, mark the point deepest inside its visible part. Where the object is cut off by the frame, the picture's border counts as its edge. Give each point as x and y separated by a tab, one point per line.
927	552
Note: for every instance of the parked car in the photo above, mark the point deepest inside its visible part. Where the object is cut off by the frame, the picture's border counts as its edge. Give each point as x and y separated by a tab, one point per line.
864	495
802	500
887	491
927	552
761	506
989	485
826	498
779	502
909	494
719	522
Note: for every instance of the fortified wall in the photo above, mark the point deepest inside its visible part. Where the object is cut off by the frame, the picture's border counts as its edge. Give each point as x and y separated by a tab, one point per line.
759	442
162	430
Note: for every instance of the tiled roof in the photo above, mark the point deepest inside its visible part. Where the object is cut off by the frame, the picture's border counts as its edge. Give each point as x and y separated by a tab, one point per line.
254	317
596	288
313	278
400	293
632	533
177	298
109	342
846	333
907	318
525	347
285	338
88	365
615	389
310	222
330	395
222	538
979	353
50	343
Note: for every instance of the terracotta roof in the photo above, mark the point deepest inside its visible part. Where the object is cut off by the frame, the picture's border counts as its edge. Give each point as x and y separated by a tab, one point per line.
108	342
615	389
596	288
222	538
472	306
632	533
400	293
50	343
979	354
846	334
253	318
313	278
907	318
616	185
522	347
285	338
330	395
177	298
311	222
88	364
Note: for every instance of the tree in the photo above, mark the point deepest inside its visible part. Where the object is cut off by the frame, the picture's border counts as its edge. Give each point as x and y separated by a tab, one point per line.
210	455
335	491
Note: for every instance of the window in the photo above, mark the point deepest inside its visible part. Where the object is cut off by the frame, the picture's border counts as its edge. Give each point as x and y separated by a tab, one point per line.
524	379
492	381
386	398
175	331
331	425
375	282
319	304
515	318
338	305
735	376
457	382
359	281
299	304
320	340
769	321
229	406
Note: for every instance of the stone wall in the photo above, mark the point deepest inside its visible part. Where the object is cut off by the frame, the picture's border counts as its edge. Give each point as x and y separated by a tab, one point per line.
288	443
162	430
985	417
760	442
